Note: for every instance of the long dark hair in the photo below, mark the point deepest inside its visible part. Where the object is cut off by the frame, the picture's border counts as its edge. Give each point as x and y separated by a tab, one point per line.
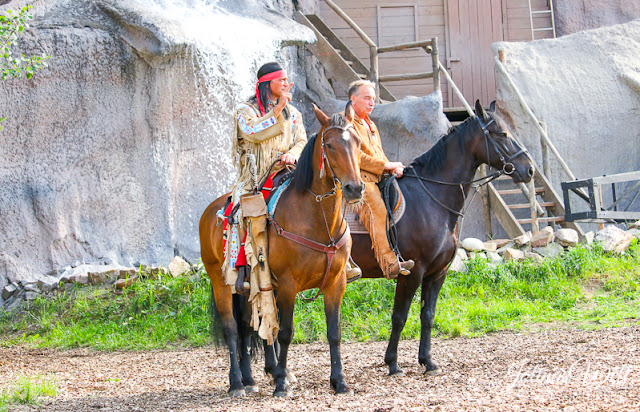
264	88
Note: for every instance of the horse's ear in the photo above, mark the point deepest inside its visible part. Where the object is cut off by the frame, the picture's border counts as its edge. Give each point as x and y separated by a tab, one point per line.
348	111
492	106
322	118
480	110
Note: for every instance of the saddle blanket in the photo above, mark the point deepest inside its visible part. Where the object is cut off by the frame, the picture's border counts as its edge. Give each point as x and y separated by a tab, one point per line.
357	227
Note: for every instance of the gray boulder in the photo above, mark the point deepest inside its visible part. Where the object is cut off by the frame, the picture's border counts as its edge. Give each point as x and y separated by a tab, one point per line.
566	237
614	239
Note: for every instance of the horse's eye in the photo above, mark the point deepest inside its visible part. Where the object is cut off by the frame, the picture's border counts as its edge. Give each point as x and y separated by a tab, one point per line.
329	146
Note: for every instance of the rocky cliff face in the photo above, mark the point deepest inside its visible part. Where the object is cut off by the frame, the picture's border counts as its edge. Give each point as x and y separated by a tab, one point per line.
112	153
586	88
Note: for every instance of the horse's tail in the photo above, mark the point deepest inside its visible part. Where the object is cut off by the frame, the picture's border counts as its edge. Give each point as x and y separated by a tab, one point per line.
242	316
217	331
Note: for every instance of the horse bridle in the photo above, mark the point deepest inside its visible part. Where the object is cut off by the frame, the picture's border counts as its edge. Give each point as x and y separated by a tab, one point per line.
508	167
324	159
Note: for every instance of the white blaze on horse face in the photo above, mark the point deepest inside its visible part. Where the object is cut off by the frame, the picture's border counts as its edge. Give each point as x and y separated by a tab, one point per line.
346	135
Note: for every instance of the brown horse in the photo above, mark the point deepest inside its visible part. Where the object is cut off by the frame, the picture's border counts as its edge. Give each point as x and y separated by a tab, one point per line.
309	245
435	186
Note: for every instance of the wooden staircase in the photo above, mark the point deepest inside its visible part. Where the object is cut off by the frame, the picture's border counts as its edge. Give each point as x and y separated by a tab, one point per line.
510	203
341	64
512	206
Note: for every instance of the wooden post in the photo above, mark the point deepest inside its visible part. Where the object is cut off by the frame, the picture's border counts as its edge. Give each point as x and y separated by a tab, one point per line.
486	206
436	66
373	56
532	202
546	168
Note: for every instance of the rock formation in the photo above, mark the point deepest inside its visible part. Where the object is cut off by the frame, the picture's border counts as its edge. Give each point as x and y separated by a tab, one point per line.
112	153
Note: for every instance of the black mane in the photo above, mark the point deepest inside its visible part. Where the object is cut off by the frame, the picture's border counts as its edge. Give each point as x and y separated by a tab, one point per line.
302	176
433	159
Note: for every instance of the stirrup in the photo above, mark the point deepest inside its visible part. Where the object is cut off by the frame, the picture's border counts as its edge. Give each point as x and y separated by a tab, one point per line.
353	271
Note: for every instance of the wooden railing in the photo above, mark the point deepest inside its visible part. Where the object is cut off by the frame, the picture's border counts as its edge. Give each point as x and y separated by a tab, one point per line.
429	46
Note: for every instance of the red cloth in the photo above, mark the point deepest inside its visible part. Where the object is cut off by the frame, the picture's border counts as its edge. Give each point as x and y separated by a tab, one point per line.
242	256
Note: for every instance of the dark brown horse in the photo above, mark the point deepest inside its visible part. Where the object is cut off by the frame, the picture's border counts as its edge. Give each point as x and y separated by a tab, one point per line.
435	186
309	245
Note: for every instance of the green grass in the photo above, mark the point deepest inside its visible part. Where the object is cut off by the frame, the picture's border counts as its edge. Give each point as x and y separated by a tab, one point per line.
585	287
27	391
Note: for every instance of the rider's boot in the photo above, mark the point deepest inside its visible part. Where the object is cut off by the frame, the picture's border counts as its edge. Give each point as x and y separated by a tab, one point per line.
373	214
353	271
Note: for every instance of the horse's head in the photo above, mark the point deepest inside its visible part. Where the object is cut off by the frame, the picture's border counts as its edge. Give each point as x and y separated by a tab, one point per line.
499	148
340	148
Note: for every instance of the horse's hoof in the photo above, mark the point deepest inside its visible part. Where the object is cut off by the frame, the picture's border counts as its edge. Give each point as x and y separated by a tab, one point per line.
236	393
281	394
343	389
251	389
433	372
399	372
291	377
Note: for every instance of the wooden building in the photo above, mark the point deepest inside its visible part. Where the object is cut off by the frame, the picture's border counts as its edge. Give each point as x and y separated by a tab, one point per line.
465	30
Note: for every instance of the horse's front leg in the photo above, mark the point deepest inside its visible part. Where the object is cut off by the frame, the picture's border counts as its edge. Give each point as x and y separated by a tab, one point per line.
405	289
332	301
286	301
430	290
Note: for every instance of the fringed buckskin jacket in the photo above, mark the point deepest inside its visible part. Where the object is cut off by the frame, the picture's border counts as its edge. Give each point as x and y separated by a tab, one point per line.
373	159
267	137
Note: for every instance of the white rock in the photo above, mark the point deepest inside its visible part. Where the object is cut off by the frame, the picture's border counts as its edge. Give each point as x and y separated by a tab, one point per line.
178	266
48	283
614	239
523	239
472	244
8	291
490	246
513	254
461	254
567	237
457	265
495	258
550	251
534	256
634	232
588	238
543	237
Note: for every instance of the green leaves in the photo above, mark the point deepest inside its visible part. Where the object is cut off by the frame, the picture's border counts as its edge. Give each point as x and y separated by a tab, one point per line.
12	24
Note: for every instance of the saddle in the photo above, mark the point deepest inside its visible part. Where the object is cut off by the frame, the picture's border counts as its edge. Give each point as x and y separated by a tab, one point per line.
394	202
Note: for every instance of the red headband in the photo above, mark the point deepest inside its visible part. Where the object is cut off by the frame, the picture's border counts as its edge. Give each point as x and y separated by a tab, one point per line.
266	78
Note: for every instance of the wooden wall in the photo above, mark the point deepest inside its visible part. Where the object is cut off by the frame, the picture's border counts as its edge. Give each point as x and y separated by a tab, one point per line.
465	30
399	21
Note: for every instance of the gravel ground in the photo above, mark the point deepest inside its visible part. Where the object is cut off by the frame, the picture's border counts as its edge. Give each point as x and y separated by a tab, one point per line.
547	369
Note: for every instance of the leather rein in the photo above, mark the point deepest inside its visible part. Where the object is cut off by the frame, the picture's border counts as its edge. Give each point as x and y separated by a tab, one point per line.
331	248
507	169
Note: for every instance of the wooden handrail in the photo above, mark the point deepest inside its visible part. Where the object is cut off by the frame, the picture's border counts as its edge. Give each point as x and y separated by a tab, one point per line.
403	46
455	89
351	23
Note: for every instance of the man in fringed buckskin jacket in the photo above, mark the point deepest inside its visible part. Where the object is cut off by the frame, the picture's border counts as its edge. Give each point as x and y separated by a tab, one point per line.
373	163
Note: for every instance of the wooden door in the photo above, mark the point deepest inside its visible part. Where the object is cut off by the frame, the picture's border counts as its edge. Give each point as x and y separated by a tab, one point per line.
471	28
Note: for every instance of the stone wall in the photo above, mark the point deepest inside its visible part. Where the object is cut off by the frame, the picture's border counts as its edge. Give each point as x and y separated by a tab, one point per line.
572	16
586	88
112	153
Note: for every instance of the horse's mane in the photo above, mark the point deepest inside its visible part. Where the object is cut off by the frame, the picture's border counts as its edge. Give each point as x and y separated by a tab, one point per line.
302	176
433	159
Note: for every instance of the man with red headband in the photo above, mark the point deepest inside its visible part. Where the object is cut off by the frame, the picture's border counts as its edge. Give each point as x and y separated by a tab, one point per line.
268	127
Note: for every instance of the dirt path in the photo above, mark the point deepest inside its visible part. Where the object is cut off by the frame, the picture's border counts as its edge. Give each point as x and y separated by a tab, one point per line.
544	370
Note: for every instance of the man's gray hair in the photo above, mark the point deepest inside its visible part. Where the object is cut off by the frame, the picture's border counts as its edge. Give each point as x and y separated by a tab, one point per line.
354	86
